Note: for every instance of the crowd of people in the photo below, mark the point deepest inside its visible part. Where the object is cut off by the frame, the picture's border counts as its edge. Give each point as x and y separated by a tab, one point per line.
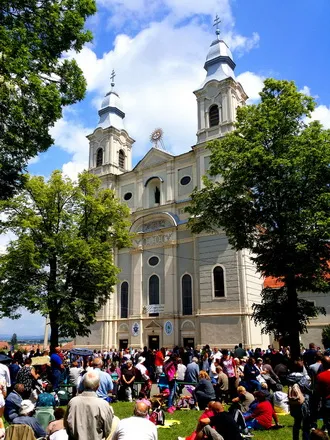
249	383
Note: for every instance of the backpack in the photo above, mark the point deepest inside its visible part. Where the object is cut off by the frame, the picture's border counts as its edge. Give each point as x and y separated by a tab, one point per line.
157	417
295	396
240	421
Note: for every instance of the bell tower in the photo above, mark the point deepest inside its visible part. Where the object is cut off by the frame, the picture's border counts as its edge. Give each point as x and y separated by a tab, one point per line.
110	146
220	94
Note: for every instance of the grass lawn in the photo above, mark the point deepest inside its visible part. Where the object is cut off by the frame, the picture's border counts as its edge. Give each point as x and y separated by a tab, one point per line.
189	419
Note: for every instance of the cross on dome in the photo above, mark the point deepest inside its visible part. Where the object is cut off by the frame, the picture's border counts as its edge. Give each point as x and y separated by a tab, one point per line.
112	77
217	21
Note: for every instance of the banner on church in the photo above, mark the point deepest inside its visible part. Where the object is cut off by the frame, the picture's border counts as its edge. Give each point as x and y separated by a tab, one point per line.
154	308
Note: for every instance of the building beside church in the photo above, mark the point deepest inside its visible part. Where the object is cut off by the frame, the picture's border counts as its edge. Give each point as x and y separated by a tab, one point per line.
175	288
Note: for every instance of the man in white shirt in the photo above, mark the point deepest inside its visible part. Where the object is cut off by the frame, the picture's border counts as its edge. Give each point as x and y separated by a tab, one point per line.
137	426
216	355
5	376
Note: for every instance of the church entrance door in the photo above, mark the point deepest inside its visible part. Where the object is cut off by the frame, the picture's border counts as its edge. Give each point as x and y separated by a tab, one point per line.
153	342
189	342
123	343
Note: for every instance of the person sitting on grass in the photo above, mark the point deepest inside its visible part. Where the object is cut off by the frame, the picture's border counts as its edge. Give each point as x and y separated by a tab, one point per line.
262	415
204	390
55	428
46	398
280	400
243	400
138	426
26	417
225	426
208	412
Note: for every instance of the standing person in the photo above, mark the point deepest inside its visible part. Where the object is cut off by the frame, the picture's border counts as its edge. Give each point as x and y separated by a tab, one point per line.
57	367
74	376
13	370
136	427
300	412
216	355
27	376
144	375
229	367
323	390
170	369
192	371
105	385
115	374
309	355
239	351
5	377
127	380
88	417
159	362
205	362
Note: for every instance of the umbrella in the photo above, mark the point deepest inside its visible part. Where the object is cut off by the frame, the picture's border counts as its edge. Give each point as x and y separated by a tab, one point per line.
4	358
81	352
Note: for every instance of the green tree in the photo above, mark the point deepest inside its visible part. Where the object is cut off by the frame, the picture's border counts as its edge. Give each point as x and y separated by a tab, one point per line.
326	336
35	82
61	263
273	196
274	313
13	341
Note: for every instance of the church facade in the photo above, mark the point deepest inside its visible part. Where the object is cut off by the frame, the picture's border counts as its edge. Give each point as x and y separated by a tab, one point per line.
175	288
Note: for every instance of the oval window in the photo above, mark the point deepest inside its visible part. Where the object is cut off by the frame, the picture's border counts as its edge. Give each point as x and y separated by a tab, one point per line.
153	261
128	196
185	180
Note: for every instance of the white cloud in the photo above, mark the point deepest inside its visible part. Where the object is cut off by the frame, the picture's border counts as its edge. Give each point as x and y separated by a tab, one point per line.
157	72
135	13
4	241
322	114
70	136
252	84
306	91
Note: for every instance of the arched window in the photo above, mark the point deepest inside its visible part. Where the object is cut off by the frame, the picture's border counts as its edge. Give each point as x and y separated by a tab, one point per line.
218	282
121	159
153	292
154	192
124	300
99	157
214	115
186	295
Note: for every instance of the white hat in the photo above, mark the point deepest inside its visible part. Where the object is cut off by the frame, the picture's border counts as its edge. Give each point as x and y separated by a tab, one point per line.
141	359
26	407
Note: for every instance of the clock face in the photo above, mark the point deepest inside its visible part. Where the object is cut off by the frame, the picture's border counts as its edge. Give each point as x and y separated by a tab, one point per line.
156	135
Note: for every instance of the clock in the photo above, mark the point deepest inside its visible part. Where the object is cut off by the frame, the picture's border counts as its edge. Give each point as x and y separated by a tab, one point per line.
156	135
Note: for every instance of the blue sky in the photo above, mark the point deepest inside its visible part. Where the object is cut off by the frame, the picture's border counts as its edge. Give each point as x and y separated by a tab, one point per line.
158	49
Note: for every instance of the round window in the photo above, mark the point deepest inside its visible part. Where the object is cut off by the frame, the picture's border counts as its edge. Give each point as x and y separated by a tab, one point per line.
128	196
185	180
153	261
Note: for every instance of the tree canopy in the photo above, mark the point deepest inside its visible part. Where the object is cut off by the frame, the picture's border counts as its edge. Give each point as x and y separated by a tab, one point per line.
273	193
35	82
61	263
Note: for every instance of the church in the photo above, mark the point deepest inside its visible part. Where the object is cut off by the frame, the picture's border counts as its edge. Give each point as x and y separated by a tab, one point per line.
175	288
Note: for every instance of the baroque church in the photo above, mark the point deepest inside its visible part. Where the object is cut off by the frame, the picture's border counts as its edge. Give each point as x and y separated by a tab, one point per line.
175	288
